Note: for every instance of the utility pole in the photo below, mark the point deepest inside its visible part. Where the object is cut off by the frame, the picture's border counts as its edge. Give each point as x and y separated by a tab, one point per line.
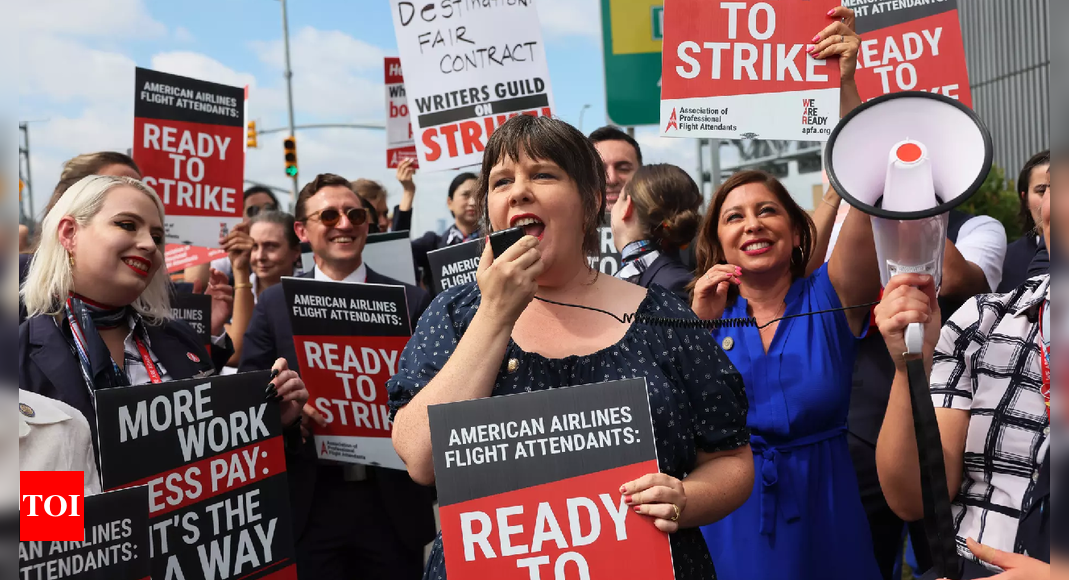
581	112
24	154
289	83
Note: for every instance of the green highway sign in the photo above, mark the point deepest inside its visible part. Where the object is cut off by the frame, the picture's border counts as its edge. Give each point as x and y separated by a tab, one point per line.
632	31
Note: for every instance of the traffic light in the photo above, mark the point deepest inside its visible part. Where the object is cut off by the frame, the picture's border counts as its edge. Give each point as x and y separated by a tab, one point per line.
250	140
290	145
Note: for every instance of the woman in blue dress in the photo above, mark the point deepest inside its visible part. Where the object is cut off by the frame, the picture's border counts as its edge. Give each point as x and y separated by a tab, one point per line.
805	518
492	338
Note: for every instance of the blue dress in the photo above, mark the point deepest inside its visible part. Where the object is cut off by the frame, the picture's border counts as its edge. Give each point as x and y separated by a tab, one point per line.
696	396
805	518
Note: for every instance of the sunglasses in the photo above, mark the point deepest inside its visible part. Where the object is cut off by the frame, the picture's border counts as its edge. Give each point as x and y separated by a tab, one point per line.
331	217
253	211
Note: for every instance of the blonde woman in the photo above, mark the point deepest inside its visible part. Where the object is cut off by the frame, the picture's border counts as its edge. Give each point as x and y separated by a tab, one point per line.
98	301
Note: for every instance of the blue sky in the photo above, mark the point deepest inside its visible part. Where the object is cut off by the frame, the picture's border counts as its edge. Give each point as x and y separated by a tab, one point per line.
76	72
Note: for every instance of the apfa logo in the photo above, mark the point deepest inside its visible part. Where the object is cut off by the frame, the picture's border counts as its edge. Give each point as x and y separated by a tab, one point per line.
51	506
672	122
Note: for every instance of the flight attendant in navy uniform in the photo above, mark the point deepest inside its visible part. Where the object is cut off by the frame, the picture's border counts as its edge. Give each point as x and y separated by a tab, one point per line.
98	300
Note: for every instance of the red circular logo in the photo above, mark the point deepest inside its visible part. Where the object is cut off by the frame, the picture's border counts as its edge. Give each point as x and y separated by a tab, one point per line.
193	357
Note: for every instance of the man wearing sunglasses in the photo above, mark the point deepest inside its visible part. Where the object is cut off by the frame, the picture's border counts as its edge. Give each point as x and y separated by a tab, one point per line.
351	522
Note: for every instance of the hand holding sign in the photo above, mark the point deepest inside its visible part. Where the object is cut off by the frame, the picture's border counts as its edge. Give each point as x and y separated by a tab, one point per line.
238	245
509	283
658	496
839	39
308	416
288	389
222	294
405	171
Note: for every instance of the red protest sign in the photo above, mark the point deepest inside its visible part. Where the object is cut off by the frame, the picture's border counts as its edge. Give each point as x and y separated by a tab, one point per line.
188	142
349	339
529	484
400	144
911	49
179	257
741	70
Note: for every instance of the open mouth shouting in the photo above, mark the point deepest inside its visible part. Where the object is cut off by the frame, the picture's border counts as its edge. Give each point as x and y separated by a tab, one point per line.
532	225
756	247
140	266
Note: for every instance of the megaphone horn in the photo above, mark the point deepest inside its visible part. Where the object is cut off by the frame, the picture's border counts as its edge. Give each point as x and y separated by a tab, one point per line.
907	159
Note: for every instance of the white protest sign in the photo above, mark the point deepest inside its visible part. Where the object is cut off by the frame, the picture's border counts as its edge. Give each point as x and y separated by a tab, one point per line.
399	143
469	67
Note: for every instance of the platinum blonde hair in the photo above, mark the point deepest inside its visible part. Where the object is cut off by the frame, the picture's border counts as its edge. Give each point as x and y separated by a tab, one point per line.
51	279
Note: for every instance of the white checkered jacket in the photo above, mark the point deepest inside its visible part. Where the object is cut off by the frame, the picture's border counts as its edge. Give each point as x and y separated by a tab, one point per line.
988	363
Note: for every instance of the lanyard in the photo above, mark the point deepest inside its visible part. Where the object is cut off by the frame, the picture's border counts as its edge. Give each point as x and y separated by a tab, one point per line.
1044	350
146	359
82	351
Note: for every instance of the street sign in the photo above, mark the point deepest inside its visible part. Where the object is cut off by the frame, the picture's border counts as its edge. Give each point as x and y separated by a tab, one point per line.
631	39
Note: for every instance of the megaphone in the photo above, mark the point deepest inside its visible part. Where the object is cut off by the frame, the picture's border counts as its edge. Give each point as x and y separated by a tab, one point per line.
907	159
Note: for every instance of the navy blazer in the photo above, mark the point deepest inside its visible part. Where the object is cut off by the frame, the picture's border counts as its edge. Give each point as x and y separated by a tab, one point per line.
668	272
24	270
1019	258
48	367
270	337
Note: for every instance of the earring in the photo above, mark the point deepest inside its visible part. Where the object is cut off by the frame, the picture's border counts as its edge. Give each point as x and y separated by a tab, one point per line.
70	260
796	252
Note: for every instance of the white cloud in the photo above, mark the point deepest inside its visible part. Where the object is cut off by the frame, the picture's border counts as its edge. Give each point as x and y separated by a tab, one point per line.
182	34
97	128
562	18
78	18
200	66
329	50
335	77
63	70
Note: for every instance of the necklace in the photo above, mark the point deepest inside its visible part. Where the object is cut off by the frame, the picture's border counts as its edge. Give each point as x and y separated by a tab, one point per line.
782	310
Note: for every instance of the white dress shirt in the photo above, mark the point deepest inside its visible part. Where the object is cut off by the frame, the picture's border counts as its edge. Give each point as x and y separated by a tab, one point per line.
359	276
53	436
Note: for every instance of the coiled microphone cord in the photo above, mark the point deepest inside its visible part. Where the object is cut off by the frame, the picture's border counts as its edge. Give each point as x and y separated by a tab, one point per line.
698	323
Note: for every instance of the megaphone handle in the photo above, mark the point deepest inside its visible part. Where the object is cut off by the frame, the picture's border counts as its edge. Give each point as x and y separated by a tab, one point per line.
915	339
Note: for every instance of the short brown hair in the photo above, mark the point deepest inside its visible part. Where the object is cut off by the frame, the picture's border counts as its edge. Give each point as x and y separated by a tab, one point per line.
85	165
553	140
322	180
710	252
668	204
369	190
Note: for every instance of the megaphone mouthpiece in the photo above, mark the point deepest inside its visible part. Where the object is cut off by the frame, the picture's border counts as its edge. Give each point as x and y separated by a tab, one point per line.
909	186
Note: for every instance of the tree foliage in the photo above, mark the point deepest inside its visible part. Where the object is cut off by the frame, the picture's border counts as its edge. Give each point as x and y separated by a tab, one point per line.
997	198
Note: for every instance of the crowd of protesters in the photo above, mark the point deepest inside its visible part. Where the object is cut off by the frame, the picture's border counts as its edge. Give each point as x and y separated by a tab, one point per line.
805	467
